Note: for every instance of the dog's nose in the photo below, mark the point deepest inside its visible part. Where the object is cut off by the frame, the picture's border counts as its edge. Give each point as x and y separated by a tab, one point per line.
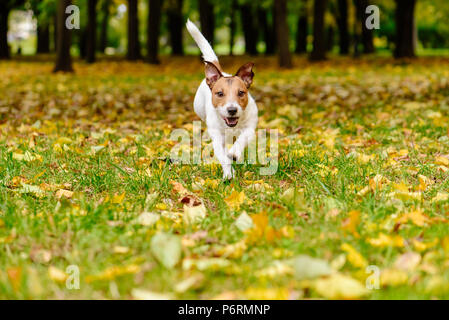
232	110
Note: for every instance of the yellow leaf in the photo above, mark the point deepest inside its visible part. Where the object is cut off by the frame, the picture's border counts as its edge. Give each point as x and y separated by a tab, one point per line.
423	182
191	282
354	257
121	249
363	191
111	273
56	274
27	156
235	199
384	240
38	175
417	217
118	198
408	261
203	264
17	181
338	286
213	184
233	251
364	158
147	218
393	277
15	277
244	222
276	270
64	193
377	182
34	190
194	214
178	187
161	206
350	224
402	187
441	196
141	294
266	293
423	246
440	160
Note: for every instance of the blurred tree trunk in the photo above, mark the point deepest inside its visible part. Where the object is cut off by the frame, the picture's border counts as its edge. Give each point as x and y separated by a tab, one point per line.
319	39
249	31
268	30
43	37
176	25
153	30
301	30
232	26
366	34
329	38
4	13
207	20
82	42
63	57
343	30
91	31
133	50
103	43
405	29
285	57
55	31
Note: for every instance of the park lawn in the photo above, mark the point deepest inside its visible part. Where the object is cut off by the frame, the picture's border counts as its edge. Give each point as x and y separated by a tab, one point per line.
360	194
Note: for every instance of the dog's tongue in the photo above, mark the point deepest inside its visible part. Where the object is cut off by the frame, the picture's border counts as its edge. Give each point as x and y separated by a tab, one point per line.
232	122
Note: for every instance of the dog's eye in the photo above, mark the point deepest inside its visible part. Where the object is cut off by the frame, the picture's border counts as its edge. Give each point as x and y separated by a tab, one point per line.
241	93
219	94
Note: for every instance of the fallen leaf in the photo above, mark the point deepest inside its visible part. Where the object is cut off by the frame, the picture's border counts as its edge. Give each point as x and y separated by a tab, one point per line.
384	240
64	193
178	187
15	277
244	222
194	214
440	160
166	248
393	277
118	198
408	261
306	267
338	286
56	274
235	199
354	257
351	223
142	294
147	218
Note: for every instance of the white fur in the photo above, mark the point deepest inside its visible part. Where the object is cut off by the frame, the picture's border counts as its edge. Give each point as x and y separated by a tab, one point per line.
216	126
203	44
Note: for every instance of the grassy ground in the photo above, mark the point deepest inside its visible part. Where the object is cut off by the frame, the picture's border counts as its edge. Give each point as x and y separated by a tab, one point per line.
360	193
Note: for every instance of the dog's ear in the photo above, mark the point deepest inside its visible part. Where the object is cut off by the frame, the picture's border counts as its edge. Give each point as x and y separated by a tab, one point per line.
212	74
246	73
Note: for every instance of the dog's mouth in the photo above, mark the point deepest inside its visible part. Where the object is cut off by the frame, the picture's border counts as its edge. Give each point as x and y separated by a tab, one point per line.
231	121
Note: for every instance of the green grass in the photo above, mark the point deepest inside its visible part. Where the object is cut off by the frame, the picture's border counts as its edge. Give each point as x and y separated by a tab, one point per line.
359	119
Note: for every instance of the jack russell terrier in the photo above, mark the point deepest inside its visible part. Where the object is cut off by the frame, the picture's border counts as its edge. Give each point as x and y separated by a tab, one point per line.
224	103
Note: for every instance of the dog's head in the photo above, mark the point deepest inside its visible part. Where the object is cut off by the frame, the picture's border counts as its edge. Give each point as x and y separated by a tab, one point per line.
229	94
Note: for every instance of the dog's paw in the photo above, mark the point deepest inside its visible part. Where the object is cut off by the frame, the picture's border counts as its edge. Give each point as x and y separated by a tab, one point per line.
234	155
228	174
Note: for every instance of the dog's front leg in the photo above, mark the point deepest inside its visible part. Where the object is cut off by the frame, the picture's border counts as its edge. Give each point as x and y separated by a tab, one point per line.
236	151
218	143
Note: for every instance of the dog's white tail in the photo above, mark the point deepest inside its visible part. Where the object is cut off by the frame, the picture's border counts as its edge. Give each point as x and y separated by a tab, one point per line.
203	44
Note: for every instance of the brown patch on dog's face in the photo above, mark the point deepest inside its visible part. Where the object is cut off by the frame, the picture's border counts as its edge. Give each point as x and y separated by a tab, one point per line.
229	89
229	93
